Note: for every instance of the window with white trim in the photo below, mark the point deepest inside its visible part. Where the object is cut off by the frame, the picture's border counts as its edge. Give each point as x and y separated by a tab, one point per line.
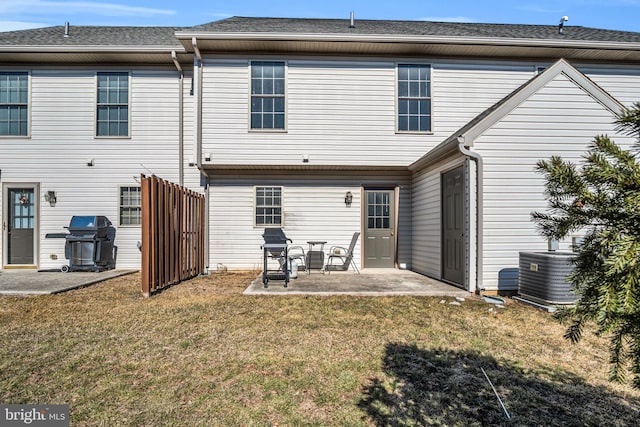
268	207
130	206
414	98
112	117
14	104
267	95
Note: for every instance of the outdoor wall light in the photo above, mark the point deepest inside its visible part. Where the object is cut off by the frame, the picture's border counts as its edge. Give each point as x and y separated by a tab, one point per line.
348	198
91	162
305	158
51	198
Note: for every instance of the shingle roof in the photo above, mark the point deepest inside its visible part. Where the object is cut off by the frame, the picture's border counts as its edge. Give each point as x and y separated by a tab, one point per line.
93	36
165	36
415	28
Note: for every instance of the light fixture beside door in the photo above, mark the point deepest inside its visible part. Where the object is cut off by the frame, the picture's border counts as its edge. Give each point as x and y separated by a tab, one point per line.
348	199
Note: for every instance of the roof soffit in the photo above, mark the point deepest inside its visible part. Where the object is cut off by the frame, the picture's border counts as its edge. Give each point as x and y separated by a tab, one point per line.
410	45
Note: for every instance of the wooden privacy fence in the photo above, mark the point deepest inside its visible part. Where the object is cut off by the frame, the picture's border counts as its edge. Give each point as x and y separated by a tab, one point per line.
172	234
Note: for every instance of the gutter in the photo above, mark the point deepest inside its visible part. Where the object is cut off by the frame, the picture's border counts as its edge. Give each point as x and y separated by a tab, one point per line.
475	156
174	57
90	49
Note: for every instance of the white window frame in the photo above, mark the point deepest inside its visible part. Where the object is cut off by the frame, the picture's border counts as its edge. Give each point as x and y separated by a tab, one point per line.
129	207
28	104
251	96
256	206
429	97
97	106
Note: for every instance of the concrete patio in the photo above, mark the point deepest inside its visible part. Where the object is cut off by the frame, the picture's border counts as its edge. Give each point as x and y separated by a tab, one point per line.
34	282
371	282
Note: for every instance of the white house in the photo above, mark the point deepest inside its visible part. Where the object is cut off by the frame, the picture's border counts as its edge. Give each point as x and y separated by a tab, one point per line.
431	130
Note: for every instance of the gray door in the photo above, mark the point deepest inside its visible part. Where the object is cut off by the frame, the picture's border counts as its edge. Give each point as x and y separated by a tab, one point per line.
379	235
20	225
453	226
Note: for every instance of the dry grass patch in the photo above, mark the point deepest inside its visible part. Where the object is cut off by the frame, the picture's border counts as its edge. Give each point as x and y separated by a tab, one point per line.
203	354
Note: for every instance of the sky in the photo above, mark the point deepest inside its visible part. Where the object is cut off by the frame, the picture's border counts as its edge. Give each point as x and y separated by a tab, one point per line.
609	14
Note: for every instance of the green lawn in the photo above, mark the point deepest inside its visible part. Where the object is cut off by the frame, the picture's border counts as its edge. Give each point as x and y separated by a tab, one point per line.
201	353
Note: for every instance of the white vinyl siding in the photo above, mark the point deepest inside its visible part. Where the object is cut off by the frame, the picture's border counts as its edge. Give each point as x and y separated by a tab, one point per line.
63	141
343	112
14	104
426	217
561	119
461	91
315	210
622	82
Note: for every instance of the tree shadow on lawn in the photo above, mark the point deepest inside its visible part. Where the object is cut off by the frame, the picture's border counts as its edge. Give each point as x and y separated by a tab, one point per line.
444	387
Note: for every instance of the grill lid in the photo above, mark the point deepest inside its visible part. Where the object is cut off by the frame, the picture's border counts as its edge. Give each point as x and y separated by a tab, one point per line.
80	223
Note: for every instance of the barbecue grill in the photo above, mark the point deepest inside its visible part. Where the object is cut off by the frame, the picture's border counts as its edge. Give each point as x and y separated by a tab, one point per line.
90	245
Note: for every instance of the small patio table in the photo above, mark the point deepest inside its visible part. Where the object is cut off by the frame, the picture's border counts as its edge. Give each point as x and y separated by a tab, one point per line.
315	257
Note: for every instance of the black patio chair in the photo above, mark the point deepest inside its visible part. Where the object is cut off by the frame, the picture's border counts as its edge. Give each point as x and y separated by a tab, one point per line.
344	255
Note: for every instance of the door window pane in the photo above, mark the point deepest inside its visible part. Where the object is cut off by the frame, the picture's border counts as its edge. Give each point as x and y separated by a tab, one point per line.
379	210
23	212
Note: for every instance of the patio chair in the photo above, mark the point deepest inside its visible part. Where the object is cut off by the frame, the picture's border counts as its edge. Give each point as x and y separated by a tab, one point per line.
344	255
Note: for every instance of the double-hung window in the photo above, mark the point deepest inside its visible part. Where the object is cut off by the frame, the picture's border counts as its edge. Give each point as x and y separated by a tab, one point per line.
268	206
14	104
267	95
414	98
130	206
113	105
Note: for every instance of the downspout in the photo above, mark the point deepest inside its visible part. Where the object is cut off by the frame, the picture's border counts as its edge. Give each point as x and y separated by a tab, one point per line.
475	156
197	62
174	57
198	69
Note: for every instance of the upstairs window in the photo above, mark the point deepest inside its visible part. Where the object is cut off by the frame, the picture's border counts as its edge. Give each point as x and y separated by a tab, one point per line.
14	104
267	95
414	98
113	105
268	206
